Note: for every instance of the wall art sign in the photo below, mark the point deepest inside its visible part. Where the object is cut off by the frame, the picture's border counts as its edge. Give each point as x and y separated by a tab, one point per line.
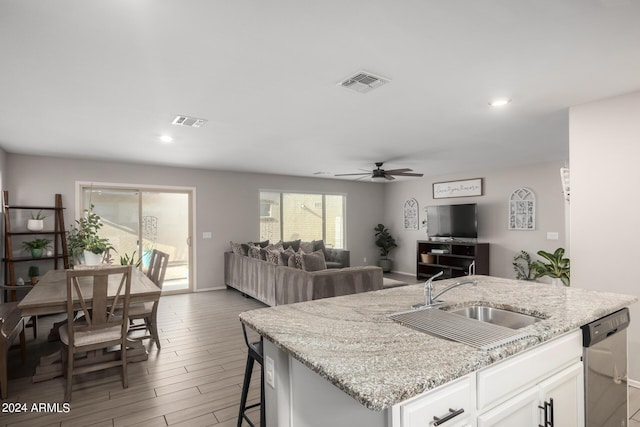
411	214
462	188
522	210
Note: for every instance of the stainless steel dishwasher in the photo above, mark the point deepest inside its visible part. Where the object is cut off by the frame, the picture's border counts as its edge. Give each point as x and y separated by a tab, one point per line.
605	370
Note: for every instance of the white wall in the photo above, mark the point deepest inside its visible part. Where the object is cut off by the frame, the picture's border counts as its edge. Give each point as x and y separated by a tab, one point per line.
604	151
543	179
227	203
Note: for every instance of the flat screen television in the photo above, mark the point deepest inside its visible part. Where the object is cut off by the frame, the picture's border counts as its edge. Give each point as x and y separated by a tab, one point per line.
453	221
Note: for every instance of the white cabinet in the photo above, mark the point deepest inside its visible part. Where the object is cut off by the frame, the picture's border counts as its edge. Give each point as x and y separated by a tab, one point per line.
452	405
556	401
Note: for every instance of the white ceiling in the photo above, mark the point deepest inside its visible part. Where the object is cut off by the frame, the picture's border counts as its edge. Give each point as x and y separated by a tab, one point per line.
104	78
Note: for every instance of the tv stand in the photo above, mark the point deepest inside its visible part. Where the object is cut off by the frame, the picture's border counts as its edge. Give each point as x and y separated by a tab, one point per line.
455	257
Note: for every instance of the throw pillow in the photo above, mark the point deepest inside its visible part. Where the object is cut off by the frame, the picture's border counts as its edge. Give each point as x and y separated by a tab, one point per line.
254	252
263	244
237	248
295	260
285	255
318	245
273	257
306	247
293	244
313	261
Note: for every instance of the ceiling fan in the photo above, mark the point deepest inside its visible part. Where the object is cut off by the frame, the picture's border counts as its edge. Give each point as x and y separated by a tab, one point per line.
380	173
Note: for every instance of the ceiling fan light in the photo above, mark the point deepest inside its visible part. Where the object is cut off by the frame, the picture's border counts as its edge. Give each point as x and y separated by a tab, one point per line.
376	178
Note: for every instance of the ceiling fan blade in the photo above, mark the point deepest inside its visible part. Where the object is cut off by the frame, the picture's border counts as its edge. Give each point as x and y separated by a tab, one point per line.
388	177
395	171
349	174
407	174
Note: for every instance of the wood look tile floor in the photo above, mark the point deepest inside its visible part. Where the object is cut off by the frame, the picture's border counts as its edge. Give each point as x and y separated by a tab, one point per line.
195	380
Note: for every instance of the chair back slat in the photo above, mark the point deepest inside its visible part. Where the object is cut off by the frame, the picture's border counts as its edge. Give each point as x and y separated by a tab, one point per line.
158	267
92	292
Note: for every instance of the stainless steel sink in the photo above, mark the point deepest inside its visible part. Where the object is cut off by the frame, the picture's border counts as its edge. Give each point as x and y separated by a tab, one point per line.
497	316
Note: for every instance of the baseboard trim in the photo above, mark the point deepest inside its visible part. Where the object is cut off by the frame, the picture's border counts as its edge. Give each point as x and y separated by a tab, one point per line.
219	288
402	272
633	383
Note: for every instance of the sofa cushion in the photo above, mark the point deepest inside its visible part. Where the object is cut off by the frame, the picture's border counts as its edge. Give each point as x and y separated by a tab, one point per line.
237	248
314	261
307	247
255	252
295	260
333	264
293	244
273	257
284	256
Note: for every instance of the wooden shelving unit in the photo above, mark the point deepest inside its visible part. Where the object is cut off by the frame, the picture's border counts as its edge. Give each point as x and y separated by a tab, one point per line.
60	256
455	258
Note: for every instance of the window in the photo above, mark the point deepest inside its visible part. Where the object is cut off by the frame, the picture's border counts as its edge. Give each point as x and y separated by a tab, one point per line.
291	216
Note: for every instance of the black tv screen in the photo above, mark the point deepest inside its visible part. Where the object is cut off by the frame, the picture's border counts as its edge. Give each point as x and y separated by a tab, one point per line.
454	221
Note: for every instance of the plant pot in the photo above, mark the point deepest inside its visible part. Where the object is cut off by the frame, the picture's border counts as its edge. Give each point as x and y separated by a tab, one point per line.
35	224
36	253
385	264
92	259
34	280
555	281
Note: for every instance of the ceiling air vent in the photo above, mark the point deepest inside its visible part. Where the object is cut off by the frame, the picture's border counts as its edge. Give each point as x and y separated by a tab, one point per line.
363	82
188	121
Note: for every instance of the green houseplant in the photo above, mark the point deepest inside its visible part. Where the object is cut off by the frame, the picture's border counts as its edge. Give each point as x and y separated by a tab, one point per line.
386	243
523	266
83	240
557	267
36	223
36	247
34	272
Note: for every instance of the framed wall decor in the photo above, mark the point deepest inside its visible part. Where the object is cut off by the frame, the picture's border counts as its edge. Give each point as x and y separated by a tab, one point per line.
462	188
522	210
410	212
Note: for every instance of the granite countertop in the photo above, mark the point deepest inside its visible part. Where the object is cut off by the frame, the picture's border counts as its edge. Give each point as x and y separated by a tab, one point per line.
351	342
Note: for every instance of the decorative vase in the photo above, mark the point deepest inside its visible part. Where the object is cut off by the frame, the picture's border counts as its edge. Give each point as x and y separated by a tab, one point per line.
385	264
36	253
92	259
35	224
556	281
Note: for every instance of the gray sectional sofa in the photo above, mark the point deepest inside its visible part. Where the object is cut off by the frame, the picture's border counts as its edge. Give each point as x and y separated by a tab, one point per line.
278	284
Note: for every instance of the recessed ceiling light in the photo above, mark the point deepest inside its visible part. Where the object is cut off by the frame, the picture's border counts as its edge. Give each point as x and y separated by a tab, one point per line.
166	138
500	102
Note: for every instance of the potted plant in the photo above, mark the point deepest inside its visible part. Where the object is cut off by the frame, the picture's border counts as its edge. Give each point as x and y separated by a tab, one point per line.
523	266
386	243
36	223
84	242
127	259
34	272
558	267
36	247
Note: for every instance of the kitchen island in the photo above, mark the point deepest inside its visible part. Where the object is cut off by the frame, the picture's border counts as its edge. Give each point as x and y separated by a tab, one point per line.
348	343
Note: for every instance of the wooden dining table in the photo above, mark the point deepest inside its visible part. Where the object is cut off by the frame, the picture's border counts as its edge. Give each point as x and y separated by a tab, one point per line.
49	296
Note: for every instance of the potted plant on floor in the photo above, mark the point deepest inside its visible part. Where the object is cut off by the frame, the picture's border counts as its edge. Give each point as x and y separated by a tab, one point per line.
83	240
386	243
558	267
36	247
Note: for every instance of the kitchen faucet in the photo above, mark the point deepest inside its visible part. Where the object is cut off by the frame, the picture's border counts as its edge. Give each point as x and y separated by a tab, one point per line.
430	299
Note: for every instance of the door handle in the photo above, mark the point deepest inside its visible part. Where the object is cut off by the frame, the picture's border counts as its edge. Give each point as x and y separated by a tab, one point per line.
548	413
189	241
452	413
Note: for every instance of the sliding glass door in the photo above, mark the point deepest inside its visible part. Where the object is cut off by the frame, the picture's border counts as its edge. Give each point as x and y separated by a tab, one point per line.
138	220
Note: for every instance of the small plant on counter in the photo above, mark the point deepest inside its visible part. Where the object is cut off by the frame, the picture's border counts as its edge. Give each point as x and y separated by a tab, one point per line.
36	246
523	266
558	266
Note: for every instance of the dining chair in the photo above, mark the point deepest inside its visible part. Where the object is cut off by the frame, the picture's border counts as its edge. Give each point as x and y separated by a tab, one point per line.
99	327
148	311
11	326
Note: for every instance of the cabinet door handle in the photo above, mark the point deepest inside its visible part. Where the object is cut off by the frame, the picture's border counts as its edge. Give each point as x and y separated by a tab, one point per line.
452	413
548	413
